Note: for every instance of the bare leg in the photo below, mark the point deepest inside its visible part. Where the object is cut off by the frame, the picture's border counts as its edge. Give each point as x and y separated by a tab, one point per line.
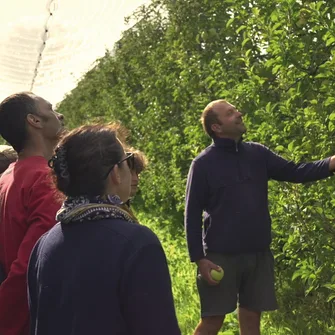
250	322
210	325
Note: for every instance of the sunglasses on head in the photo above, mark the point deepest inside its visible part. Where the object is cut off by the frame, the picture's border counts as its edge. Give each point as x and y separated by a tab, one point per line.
130	159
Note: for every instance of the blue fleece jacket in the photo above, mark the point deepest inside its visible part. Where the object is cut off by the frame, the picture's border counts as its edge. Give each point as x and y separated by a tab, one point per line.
227	196
100	277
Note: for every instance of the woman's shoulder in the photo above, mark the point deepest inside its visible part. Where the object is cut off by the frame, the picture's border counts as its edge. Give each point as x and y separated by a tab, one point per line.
133	232
106	233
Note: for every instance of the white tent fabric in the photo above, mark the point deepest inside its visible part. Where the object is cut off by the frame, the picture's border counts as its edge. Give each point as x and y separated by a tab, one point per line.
47	45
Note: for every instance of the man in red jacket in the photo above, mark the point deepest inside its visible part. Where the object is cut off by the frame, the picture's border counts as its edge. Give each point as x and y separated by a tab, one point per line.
28	203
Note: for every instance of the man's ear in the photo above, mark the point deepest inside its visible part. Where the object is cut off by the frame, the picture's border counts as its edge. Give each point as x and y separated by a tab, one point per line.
215	127
34	121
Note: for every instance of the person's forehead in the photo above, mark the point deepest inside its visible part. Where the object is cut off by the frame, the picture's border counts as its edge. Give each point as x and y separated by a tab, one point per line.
224	107
42	102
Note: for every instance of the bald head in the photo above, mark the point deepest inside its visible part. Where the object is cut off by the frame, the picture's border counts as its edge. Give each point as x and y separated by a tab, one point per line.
209	117
218	102
222	119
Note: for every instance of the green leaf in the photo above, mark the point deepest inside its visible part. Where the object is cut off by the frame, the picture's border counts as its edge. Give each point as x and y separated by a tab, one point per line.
280	148
239	29
230	21
291	146
276	69
329	101
276	26
245	41
296	274
330	41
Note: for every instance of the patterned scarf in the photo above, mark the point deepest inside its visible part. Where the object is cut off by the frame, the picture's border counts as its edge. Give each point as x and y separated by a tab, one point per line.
78	209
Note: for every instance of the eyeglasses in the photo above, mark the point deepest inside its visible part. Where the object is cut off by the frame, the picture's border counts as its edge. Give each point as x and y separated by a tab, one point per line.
130	158
130	161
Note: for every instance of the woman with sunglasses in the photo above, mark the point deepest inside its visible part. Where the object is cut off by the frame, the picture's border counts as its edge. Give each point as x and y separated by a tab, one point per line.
98	271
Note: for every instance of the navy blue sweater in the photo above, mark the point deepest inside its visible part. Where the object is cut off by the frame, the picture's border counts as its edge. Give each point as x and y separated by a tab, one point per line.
227	196
100	277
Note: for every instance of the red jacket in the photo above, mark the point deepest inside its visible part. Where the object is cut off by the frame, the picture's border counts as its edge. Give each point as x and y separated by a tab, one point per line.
28	206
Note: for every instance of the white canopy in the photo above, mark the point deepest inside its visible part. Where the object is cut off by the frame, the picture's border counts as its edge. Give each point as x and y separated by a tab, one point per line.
47	45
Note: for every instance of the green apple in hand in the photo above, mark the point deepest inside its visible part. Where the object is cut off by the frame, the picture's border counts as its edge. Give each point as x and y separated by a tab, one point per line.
217	274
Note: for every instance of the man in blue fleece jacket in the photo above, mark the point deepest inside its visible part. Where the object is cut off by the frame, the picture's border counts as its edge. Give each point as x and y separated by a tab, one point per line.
228	222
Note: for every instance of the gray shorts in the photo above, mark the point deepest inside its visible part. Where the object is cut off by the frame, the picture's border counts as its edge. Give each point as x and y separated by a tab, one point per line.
248	280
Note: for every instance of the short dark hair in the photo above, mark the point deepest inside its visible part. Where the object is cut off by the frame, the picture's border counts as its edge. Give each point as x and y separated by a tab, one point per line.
82	159
7	156
209	117
13	115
